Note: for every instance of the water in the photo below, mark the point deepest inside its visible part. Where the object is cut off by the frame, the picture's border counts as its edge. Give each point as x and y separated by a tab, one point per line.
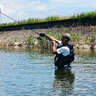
25	73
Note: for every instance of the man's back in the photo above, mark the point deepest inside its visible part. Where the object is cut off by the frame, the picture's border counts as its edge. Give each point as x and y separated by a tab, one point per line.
64	56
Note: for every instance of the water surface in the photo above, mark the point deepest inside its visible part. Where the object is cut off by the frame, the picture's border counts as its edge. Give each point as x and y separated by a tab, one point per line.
28	73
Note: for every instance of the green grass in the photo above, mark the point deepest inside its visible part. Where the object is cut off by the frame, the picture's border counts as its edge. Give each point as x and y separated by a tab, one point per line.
35	20
92	37
91	14
30	40
75	36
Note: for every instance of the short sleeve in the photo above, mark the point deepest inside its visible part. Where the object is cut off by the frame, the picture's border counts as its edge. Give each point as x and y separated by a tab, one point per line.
64	51
59	43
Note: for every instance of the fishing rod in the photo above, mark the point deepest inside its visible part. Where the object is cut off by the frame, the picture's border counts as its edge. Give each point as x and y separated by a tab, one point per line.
38	33
7	16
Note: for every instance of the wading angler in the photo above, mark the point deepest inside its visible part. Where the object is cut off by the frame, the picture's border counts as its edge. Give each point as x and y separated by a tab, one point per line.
64	51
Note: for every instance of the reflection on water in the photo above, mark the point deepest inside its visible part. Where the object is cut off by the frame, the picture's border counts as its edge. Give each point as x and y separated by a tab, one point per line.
63	82
32	73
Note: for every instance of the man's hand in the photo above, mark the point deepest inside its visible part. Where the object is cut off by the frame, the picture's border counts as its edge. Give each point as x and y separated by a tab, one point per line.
42	34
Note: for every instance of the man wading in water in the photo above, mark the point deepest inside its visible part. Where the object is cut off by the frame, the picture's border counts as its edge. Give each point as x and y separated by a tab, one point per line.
64	51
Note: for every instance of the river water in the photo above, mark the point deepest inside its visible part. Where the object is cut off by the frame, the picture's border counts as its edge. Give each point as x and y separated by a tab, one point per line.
28	73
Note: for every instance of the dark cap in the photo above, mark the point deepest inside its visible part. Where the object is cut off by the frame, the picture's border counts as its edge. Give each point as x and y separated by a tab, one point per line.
66	36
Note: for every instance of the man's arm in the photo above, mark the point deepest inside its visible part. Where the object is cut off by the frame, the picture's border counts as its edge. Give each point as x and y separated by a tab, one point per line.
51	38
54	51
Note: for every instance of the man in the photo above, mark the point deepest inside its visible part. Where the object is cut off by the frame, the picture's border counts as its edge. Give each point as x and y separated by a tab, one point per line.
64	51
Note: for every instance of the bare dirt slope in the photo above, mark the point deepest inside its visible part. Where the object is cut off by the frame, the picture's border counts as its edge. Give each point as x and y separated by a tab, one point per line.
17	36
21	35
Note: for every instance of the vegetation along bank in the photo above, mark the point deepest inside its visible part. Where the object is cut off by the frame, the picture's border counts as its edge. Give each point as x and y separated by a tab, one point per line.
81	27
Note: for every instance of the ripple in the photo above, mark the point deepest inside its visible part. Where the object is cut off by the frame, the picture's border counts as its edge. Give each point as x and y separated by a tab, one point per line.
33	74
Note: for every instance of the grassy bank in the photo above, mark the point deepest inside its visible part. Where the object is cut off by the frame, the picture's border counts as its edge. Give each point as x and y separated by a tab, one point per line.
53	18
